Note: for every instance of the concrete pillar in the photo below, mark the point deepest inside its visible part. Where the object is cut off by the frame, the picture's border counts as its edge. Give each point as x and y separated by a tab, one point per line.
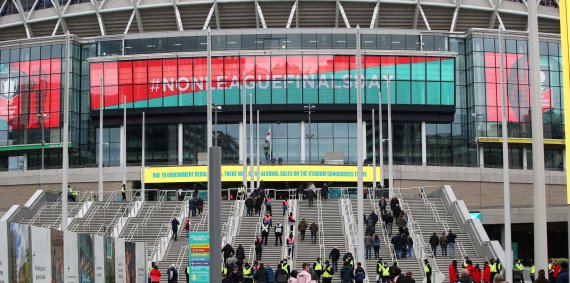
25	161
363	140
481	157
525	159
303	145
180	145
424	144
564	160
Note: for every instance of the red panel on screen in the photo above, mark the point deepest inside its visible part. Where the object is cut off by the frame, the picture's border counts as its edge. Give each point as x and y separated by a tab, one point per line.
30	92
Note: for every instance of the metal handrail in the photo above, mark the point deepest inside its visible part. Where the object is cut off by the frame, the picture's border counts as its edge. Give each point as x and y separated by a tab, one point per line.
438	219
257	225
181	256
157	242
321	235
384	231
349	222
416	235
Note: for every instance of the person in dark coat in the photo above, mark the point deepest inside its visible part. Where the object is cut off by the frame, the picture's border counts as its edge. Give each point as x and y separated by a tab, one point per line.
393	203
407	278
311	197
397	211
192	206
235	275
249	206
389	222
382	204
325	192
174	223
397	242
300	193
172	274
240	256
434	242
346	273
228	251
334	255
261	275
200	205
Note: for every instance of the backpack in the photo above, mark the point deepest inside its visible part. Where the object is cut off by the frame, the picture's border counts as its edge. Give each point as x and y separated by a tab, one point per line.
281	276
359	276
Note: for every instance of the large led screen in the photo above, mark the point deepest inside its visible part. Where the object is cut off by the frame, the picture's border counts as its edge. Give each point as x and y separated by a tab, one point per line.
30	94
322	79
517	86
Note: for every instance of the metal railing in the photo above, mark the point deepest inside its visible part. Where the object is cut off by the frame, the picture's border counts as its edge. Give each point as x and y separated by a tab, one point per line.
416	234
321	234
441	222
384	230
349	223
251	251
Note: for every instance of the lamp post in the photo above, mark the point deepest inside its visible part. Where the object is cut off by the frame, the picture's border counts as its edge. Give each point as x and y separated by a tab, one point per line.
216	108
388	78
380	132
373	151
309	109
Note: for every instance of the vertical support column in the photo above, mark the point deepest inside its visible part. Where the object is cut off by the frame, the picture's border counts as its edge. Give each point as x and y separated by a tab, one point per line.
209	87
65	147
359	155
241	143
25	165
364	149
525	159
424	144
481	157
215	220
303	145
539	188
143	156
121	147
180	144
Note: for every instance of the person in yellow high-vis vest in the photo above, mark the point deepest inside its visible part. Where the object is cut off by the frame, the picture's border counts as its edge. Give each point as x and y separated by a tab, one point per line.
532	271
327	272
318	268
247	272
385	273
427	270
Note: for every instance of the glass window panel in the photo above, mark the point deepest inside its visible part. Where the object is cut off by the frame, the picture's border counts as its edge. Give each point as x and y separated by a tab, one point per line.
342	92
447	93
403	68
398	42
173	44
351	41
294	90
324	41
369	41
263	92
433	93
418	71
412	42
447	70
522	46
433	70
279	92
441	43
310	91
309	41
372	91
384	41
233	42
402	92
201	43
418	92
338	40
293	41
477	44
189	43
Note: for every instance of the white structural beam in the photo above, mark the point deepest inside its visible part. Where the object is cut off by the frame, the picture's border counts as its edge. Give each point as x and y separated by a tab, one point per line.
129	22
23	17
424	17
495	14
177	14
137	14
207	22
454	19
217	14
61	20
375	15
31	11
260	15
291	14
341	9
98	15
3	6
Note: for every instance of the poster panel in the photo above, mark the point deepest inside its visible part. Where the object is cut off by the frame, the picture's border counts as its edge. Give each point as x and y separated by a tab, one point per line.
199	256
4	253
130	262
21	253
119	260
99	258
109	259
57	256
41	254
86	259
141	262
71	257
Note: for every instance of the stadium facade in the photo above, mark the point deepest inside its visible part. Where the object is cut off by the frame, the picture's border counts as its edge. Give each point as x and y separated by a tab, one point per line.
438	59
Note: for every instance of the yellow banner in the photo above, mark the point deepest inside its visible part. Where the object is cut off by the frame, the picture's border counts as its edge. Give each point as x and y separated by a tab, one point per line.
516	140
565	43
269	173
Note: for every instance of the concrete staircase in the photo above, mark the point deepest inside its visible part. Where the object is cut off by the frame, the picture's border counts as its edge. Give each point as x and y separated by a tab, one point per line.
405	264
100	218
152	222
49	215
330	230
423	214
250	227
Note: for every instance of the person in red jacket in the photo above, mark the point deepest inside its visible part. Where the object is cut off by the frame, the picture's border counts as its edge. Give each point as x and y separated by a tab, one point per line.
486	273
155	274
556	269
478	274
471	269
453	271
